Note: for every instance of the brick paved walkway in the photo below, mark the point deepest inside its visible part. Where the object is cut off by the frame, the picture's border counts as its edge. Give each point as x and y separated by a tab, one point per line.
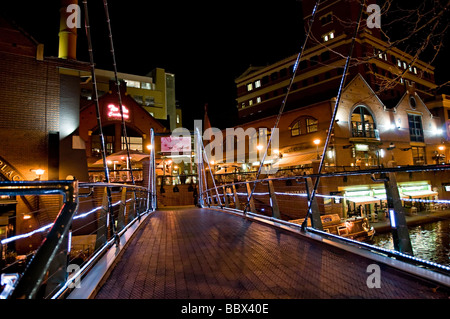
200	253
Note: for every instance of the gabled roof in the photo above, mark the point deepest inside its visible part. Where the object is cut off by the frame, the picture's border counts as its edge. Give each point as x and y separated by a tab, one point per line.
359	77
251	69
14	39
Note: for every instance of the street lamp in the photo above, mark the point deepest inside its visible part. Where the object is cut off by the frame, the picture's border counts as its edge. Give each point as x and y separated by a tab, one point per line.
439	155
39	172
317	142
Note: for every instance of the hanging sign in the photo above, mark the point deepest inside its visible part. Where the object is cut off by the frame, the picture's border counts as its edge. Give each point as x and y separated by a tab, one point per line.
114	112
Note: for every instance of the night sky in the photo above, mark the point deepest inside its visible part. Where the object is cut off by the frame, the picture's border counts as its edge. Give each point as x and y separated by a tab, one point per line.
206	44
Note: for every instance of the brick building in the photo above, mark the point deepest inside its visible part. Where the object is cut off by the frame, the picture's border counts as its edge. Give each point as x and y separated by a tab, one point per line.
138	123
260	90
388	115
39	119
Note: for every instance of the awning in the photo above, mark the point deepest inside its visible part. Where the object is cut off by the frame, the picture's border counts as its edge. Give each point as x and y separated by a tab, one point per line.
297	158
361	200
419	194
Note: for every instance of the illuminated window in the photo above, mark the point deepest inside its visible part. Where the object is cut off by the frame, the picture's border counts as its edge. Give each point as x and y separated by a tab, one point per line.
145	85
135	143
328	36
311	125
295	130
178	118
258	99
249	86
96	145
133	84
250	103
257	84
399	63
418	154
363	124
304	125
415	128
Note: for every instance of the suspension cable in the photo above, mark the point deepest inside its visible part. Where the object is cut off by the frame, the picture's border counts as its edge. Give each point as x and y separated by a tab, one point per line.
333	118
111	43
102	137
95	91
283	104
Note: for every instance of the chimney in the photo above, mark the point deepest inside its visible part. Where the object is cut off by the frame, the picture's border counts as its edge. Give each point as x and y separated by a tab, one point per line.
68	31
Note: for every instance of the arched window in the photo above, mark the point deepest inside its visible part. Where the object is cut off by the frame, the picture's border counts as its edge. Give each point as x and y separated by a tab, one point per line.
363	124
304	125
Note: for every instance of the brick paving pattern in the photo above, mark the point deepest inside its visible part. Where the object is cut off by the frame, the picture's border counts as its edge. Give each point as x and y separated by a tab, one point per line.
199	253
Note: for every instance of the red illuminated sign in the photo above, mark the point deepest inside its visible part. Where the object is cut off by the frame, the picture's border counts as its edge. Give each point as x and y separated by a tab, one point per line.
114	112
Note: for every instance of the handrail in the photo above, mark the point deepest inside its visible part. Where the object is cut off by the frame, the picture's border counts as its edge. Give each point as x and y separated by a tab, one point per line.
386	175
57	241
28	285
381	170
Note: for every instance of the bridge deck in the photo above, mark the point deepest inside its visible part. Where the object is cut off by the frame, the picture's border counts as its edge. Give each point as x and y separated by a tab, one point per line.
200	253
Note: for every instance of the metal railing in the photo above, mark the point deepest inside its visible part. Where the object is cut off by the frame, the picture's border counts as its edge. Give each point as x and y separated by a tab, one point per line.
354	207
91	220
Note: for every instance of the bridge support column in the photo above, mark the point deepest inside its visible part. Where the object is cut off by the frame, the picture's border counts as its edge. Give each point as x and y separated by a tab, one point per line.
399	229
273	201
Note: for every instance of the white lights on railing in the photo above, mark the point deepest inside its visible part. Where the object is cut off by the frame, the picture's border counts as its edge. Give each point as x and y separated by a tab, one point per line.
392	218
9	281
39	230
44	228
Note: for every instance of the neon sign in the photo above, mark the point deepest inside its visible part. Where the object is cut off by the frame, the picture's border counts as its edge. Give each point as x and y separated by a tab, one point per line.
114	112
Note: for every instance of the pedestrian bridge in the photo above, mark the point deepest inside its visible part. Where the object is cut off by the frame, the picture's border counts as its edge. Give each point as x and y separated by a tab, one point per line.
191	252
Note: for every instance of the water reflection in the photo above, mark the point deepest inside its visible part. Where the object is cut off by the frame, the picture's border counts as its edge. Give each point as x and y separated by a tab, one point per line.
430	241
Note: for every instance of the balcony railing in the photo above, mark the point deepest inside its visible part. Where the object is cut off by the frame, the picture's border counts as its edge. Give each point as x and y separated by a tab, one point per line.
367	130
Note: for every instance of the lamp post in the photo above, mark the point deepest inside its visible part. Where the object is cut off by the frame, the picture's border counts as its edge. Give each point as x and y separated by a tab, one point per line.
439	155
39	172
317	142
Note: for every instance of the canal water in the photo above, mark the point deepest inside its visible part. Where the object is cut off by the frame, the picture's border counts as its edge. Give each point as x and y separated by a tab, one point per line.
429	241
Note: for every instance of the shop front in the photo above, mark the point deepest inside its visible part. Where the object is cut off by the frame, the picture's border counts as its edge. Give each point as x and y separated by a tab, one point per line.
370	200
138	123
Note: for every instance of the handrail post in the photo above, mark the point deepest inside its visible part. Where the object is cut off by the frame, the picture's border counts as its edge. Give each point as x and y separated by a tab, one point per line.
122	209
237	204
225	196
251	201
314	214
273	200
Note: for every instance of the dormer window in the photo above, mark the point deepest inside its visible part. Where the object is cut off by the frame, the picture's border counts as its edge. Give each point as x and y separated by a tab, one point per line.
328	18
328	36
